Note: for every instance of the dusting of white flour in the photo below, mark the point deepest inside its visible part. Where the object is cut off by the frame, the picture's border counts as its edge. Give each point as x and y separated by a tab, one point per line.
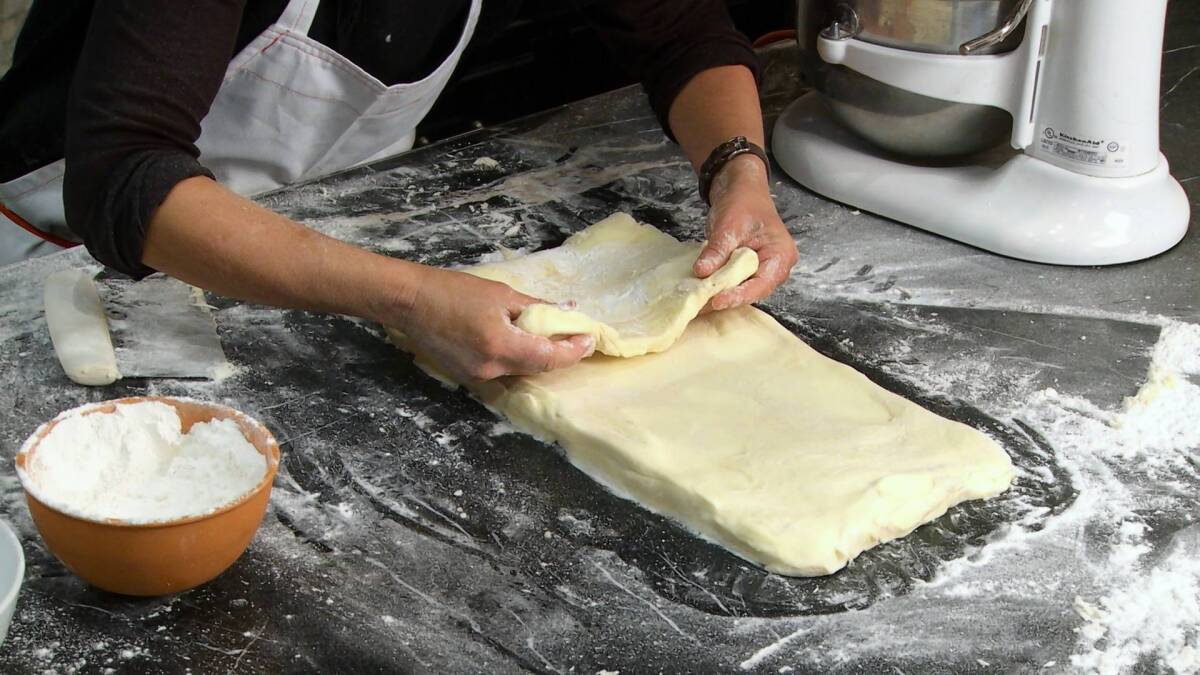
136	464
1151	614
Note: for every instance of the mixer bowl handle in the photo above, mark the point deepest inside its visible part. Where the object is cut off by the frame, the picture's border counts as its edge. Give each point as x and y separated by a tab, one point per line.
1002	31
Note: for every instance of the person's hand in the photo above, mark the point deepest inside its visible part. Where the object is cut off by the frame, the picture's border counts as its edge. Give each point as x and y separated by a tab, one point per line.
743	215
465	325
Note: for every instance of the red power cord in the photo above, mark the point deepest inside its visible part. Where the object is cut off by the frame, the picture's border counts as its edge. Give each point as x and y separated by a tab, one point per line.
774	36
25	225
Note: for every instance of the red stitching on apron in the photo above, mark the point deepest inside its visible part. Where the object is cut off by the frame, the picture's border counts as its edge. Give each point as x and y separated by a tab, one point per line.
270	44
25	225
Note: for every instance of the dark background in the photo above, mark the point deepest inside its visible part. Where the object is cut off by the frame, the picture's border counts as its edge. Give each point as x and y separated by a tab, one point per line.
544	55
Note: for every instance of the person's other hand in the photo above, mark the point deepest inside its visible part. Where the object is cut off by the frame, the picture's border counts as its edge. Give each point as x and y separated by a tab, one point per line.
743	215
465	324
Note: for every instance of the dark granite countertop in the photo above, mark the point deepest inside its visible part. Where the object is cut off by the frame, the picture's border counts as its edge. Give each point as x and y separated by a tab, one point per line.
410	531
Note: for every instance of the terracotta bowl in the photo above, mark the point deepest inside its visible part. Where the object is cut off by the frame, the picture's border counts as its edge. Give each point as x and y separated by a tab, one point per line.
158	558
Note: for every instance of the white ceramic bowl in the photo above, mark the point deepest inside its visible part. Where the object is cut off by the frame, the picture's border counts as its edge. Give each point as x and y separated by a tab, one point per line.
12	571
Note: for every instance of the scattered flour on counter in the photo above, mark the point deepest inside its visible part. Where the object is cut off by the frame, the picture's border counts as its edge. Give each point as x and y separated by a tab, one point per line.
762	654
1155	617
1151	613
136	464
501	254
1158	423
502	428
1178	348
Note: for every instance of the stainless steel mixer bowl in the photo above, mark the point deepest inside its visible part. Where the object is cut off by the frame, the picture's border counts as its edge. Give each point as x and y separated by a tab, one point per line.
898	120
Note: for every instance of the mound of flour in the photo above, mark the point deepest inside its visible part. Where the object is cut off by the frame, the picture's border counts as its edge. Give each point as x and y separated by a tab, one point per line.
136	464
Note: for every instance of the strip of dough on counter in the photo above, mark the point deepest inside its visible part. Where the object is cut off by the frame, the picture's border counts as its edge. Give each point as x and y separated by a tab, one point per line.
632	284
744	434
79	328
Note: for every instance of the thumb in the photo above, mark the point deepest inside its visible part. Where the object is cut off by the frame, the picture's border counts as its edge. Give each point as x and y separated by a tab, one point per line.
547	354
715	254
577	347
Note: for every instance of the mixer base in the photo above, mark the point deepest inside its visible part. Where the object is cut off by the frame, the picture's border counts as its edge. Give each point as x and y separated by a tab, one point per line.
1004	201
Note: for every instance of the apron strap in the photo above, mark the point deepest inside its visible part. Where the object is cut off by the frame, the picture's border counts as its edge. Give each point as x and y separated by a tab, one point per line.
298	15
31	229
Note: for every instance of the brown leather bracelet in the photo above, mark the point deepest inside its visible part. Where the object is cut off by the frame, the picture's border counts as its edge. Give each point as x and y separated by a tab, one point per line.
720	156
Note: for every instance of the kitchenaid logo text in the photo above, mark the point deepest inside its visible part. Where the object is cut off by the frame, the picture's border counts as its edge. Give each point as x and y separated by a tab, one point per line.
1095	152
1052	134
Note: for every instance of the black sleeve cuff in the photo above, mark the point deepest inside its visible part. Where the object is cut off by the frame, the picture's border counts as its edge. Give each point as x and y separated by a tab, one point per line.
665	43
113	224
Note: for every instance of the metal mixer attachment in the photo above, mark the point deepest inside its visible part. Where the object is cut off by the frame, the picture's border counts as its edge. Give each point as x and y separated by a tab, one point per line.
998	35
894	119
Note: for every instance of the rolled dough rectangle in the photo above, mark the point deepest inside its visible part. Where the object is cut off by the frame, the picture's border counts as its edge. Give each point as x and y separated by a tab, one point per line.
747	436
738	430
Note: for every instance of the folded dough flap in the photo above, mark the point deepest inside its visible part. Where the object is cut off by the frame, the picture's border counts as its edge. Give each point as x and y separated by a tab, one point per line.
632	285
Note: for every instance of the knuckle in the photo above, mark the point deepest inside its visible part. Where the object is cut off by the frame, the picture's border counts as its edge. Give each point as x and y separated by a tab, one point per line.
486	370
544	360
724	232
491	346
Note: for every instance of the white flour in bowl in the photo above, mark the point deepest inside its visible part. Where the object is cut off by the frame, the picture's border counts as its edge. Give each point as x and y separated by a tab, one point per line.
135	464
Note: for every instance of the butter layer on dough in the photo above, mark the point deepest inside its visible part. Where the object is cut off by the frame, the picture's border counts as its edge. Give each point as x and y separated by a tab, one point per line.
747	436
633	285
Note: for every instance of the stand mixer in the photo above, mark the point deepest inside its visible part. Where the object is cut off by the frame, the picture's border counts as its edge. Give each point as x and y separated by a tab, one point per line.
915	98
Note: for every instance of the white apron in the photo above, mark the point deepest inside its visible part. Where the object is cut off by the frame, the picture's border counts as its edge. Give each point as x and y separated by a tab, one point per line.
289	109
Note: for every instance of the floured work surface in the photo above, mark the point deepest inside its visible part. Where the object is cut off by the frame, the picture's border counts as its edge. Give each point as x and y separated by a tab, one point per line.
740	430
633	285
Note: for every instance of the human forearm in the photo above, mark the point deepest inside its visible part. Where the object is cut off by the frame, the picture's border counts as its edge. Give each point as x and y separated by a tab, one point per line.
713	107
212	238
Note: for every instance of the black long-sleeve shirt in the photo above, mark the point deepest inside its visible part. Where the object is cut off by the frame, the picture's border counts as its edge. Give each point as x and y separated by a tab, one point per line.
119	87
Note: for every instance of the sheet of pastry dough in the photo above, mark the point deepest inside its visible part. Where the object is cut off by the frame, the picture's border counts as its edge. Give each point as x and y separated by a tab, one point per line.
744	434
633	285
